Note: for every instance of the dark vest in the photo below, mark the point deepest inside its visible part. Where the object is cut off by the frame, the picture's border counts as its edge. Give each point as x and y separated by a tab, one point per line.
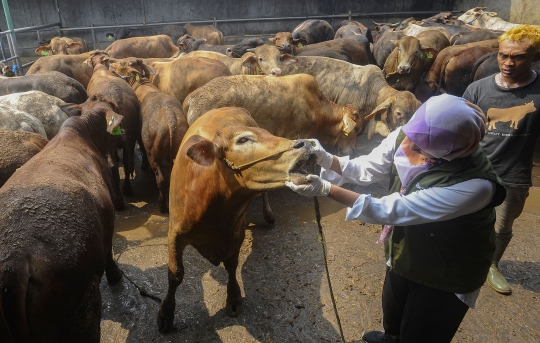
452	255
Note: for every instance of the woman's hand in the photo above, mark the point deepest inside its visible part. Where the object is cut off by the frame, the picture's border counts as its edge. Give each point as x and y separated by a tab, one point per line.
315	187
324	159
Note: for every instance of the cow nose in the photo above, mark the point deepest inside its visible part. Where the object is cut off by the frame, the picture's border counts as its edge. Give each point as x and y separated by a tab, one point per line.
276	72
302	144
404	69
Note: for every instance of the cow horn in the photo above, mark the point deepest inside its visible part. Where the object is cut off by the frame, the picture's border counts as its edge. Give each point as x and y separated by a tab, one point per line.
250	50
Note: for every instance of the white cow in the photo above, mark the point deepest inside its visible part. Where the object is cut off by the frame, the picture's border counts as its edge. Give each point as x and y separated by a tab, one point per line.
45	107
487	20
13	119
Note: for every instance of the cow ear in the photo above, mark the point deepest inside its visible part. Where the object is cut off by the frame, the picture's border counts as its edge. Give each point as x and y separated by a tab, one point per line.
203	152
287	59
492	14
148	69
273	40
74	45
71	109
42	50
250	62
113	120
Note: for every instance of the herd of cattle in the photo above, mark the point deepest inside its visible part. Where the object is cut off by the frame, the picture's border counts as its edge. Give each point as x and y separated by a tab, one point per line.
231	120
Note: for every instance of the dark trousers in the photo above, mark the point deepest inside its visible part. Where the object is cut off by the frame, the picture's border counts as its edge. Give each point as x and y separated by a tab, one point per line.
417	313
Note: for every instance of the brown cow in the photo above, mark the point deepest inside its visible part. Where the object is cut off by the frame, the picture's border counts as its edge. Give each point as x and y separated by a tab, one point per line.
235	65
143	47
57	223
430	84
271	101
117	91
17	148
163	122
70	65
512	115
224	161
355	51
63	46
212	34
412	57
343	83
183	75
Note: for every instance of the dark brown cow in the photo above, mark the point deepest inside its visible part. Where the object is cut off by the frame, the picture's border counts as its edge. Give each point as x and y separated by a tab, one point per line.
430	84
212	34
63	46
187	44
385	44
473	36
313	31
53	83
17	148
69	65
56	228
356	31
183	75
412	57
354	50
143	47
272	100
487	65
224	161
163	122
343	83
117	91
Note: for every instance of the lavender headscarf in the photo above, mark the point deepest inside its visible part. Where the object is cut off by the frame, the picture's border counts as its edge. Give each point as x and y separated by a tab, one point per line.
447	127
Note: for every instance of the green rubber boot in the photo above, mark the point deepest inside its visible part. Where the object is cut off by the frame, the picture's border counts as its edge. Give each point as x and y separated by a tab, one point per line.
495	278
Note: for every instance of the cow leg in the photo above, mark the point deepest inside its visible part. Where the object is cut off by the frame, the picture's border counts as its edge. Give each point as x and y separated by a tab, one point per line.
144	156
268	214
127	159
233	307
118	199
163	187
165	316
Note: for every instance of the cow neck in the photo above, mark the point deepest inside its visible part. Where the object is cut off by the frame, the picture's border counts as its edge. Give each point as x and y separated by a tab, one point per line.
136	84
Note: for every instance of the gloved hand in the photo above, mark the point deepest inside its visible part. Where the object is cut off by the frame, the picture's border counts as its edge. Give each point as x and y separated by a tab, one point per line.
324	159
315	187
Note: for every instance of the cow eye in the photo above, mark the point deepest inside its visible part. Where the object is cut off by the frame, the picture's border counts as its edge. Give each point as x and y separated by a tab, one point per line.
243	140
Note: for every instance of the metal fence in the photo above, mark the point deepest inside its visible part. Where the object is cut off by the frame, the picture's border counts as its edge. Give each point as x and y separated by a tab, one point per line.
15	56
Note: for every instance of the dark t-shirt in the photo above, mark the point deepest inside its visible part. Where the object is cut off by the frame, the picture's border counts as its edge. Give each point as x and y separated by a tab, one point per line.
513	127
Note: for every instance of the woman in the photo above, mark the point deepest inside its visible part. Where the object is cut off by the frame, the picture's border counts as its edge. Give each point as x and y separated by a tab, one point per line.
438	217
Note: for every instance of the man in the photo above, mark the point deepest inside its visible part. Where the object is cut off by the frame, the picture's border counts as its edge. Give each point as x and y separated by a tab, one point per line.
439	216
511	101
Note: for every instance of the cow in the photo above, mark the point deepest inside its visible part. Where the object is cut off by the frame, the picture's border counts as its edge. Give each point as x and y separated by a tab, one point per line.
487	65
69	65
57	223
63	46
450	30
413	30
235	65
271	101
312	31
163	122
412	57
46	108
385	44
17	148
330	53
143	47
350	28
212	34
113	88
53	83
224	161
183	75
14	119
487	20
354	50
188	44
430	85
343	83
512	115
473	36
173	31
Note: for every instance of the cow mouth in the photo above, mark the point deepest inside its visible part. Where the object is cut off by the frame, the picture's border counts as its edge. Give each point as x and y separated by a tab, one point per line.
298	173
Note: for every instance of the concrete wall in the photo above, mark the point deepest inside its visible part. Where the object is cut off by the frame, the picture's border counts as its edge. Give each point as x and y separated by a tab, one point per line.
83	13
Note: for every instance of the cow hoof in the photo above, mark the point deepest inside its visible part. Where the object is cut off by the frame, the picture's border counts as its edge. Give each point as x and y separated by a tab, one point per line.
269	218
233	310
164	324
114	277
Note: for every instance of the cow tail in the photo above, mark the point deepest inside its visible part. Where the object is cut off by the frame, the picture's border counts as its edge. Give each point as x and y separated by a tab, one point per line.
13	290
173	135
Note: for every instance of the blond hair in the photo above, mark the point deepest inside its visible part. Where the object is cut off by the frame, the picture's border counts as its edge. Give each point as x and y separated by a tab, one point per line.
522	33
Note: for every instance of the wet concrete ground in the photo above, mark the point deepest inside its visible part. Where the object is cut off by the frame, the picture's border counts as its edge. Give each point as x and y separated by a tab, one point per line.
288	294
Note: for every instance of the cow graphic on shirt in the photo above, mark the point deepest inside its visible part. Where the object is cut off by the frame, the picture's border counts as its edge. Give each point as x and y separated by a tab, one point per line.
512	115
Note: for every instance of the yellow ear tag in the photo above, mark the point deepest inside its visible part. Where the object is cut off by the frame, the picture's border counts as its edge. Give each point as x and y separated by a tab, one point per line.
137	77
300	45
111	121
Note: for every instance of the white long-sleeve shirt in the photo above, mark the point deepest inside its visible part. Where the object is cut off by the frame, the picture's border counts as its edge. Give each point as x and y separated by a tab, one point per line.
422	206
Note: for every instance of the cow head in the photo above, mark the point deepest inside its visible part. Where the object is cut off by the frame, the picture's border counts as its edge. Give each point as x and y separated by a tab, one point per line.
284	41
427	88
473	14
59	46
410	54
267	61
241	48
132	68
393	112
259	160
184	43
97	57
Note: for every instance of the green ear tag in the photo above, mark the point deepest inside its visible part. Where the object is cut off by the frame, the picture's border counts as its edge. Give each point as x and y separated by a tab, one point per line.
44	53
137	77
110	37
117	131
423	55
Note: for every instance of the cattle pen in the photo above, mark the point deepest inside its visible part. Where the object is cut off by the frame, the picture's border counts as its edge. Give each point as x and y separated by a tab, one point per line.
309	277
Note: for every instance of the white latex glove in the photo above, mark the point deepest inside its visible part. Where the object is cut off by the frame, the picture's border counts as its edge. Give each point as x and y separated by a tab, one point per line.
324	159
315	187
